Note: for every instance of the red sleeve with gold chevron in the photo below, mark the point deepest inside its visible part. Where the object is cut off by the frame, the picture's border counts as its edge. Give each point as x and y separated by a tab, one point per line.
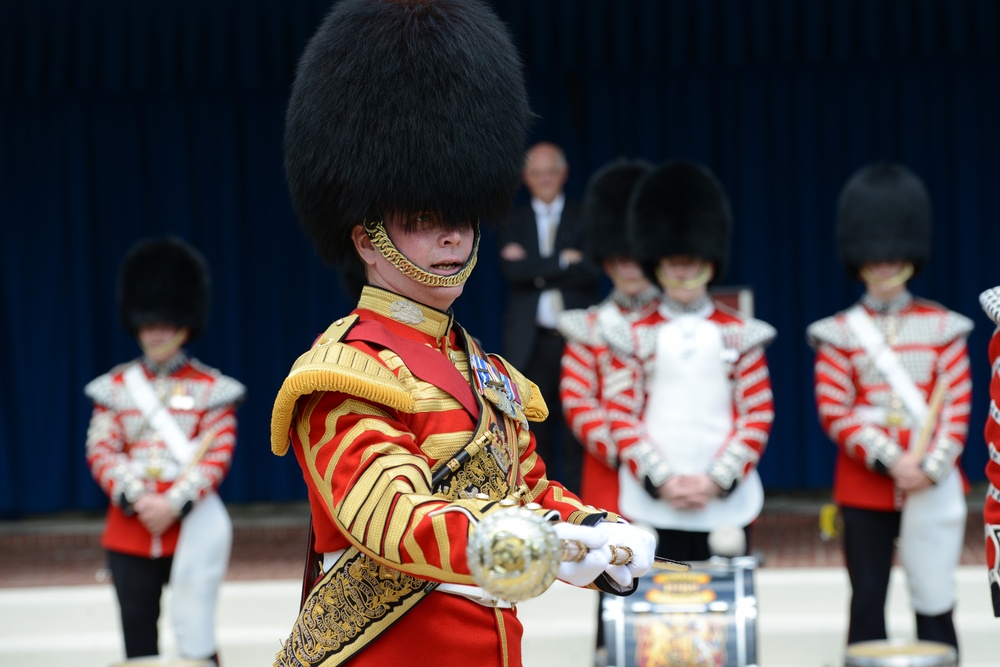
369	480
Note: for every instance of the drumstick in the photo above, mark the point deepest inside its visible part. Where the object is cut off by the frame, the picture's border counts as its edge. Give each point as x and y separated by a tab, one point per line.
206	440
933	411
672	565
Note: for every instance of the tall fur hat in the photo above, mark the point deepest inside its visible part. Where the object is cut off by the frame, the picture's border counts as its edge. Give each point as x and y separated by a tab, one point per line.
884	214
680	208
404	106
163	281
605	208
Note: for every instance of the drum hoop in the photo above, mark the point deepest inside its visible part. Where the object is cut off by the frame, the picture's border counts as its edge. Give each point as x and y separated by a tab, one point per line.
884	648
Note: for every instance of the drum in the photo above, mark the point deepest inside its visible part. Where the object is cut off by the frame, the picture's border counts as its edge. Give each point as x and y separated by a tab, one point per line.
706	617
163	661
898	653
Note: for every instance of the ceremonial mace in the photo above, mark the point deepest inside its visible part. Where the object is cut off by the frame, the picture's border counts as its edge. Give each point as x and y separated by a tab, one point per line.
514	554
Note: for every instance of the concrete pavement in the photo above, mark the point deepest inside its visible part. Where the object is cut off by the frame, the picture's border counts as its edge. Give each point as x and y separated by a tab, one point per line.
801	622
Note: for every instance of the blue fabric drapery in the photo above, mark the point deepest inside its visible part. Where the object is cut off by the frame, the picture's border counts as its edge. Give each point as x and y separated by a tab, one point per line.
123	120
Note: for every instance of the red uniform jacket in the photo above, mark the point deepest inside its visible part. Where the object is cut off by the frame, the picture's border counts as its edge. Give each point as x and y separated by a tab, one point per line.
600	362
864	417
128	459
370	430
990	299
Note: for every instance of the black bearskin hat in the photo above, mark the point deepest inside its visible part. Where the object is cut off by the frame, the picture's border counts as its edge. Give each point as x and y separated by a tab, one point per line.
605	208
163	281
680	208
884	215
404	106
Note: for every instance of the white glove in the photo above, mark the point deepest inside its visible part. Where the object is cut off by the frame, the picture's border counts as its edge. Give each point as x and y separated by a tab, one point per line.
594	563
643	547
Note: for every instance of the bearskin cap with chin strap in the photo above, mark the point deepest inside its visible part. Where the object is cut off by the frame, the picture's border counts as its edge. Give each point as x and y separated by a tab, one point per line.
605	209
680	209
403	107
164	281
883	215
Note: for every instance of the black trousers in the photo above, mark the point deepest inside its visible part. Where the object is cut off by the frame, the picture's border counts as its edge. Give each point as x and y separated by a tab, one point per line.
139	584
554	442
869	549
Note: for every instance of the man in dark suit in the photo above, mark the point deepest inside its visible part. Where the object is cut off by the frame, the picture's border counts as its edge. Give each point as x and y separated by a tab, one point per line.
544	265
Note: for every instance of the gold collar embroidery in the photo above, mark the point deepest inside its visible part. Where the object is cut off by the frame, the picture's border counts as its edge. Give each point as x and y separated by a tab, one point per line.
406	311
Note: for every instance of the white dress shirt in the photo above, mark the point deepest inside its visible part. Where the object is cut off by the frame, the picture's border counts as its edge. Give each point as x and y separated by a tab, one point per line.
547	216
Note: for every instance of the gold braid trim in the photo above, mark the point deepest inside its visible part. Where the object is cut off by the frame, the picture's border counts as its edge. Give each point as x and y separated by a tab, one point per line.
351	605
334	366
380	239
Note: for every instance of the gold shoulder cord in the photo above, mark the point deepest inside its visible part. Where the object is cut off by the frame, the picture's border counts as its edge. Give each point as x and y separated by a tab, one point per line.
380	239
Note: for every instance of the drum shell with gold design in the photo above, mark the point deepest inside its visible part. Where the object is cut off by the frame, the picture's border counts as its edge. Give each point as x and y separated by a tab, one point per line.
900	653
706	617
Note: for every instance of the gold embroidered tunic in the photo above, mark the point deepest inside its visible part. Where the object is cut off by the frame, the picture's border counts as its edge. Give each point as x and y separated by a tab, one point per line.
407	434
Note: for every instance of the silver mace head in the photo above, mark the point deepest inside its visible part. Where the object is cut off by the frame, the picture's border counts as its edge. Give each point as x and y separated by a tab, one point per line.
514	554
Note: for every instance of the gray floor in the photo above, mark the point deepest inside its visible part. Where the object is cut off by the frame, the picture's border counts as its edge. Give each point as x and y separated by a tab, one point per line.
801	622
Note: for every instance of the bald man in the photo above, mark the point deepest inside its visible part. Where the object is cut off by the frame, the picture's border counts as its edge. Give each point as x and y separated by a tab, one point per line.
541	252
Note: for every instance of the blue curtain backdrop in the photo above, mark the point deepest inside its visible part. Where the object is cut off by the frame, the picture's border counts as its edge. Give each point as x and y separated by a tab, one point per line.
120	120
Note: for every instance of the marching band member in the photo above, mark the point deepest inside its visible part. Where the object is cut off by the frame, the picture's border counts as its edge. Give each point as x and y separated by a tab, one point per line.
990	300
601	346
160	442
893	390
689	465
406	127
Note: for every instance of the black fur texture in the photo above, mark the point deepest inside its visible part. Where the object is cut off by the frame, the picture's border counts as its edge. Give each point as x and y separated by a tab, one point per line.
884	215
399	107
605	209
164	281
680	208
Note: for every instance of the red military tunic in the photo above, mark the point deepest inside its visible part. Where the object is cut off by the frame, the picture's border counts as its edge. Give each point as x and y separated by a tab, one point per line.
749	404
600	362
128	458
990	300
370	435
865	418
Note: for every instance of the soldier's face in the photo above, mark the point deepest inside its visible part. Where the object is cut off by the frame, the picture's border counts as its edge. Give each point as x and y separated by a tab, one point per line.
886	280
429	245
160	342
626	275
683	278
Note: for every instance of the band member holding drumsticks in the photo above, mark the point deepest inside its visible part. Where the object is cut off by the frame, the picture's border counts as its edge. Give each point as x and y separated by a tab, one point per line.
893	390
405	129
601	345
689	458
990	300
160	442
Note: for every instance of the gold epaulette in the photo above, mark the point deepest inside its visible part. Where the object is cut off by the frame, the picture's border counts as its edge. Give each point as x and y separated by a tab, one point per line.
334	366
532	402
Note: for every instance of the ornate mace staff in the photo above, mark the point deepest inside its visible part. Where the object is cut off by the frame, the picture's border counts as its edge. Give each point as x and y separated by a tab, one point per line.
514	554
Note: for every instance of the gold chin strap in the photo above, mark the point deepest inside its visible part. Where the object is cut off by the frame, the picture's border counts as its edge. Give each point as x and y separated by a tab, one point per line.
376	233
691	283
900	278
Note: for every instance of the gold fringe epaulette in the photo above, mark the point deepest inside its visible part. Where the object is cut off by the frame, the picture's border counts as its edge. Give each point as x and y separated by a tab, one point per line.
533	404
334	366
